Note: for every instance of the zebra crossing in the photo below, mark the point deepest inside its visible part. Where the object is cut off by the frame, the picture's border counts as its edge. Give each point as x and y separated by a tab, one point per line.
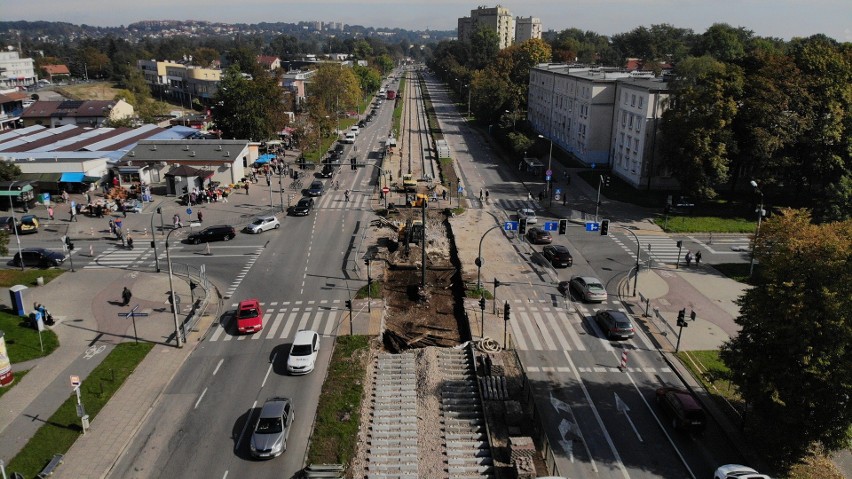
660	248
512	205
543	327
336	200
283	322
120	257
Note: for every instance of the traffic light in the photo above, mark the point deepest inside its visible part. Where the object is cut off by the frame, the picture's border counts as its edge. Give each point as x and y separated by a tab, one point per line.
606	180
349	304
69	244
681	318
522	226
482	303
159	210
604	227
563	226
692	315
507	311
192	285
679	244
496	282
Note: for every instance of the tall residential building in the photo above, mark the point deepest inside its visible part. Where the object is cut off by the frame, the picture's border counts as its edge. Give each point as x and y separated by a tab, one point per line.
496	18
527	28
16	71
603	117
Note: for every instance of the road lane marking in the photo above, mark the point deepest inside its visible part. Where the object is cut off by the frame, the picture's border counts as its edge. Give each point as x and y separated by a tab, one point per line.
217	366
248	421
268	370
200	398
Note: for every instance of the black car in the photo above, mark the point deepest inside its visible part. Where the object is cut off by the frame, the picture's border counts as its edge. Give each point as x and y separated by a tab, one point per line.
539	236
303	207
362	124
327	171
40	257
558	255
212	233
317	188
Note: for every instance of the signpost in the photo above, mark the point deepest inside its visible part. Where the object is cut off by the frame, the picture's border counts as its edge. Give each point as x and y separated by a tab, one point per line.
592	226
551	225
132	315
510	226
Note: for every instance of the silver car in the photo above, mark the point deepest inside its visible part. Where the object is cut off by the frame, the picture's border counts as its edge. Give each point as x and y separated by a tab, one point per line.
269	438
589	288
263	223
528	214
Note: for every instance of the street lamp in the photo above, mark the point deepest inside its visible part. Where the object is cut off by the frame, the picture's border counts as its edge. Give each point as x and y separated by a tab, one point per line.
15	225
468	100
172	289
549	159
760	212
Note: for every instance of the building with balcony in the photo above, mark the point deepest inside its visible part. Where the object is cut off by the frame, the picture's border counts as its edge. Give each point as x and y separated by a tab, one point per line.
527	28
16	72
496	18
180	81
605	118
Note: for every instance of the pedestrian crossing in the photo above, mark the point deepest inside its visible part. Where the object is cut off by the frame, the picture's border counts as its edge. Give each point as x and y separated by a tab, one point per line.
512	205
283	320
336	200
116	256
541	327
595	369
659	248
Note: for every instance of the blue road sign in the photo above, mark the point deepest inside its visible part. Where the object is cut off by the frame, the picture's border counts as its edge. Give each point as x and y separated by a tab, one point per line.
592	226
461	189
551	225
547	178
510	226
189	211
557	191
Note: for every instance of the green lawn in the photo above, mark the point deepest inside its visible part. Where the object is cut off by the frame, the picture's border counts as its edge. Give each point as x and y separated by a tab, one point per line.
703	224
338	412
60	430
22	341
375	291
27	277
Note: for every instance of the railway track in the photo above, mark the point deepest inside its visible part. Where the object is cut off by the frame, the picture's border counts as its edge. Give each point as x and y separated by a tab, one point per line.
418	145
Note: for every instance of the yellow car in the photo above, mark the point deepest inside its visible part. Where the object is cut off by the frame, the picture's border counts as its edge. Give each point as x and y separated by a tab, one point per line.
27	224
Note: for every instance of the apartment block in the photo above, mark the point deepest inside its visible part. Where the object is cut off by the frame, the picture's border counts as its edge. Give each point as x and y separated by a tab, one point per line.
527	28
16	71
496	18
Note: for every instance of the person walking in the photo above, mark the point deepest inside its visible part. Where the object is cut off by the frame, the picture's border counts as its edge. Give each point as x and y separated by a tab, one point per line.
129	241
73	214
111	227
444	194
481	194
346	194
125	296
200	216
529	195
697	258
50	212
246	186
688	259
176	221
486	196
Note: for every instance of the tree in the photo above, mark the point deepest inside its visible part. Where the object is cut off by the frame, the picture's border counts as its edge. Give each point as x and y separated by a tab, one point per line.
249	106
384	63
369	79
333	88
697	138
484	47
791	360
724	42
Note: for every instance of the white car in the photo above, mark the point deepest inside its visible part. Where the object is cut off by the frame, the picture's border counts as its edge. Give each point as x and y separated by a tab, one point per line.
303	352
263	223
349	137
737	471
529	214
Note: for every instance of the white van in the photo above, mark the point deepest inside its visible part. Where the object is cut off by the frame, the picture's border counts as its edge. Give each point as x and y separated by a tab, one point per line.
354	129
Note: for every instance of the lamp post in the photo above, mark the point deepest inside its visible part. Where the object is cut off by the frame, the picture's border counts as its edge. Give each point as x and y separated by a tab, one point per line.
172	289
760	214
478	260
15	225
153	235
549	162
468	100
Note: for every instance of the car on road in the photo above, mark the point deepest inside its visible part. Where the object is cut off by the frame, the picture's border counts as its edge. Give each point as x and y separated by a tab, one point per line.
303	352
327	171
39	257
737	471
684	408
615	324
263	223
249	316
269	438
212	233
26	225
589	288
303	207
317	188
528	214
362	124
558	255
349	137
539	236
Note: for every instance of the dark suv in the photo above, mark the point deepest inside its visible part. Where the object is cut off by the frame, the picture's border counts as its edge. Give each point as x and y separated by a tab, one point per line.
40	257
558	255
212	233
686	411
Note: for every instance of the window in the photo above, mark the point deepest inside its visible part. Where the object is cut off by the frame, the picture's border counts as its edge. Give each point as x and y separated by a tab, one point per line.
641	101
639	126
631	122
632	100
623	118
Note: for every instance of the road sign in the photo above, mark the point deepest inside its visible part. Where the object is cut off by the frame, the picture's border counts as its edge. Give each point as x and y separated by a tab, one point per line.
75	381
592	226
547	178
557	191
549	173
189	211
385	190
510	226
557	197
551	225
461	188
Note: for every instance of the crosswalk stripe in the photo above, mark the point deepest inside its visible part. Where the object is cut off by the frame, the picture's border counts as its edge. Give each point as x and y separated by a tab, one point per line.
290	321
266	317
218	332
274	326
554	321
526	321
330	324
517	330
572	332
315	325
542	328
304	321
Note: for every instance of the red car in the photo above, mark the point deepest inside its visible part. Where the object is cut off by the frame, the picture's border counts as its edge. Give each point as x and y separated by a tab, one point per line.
249	316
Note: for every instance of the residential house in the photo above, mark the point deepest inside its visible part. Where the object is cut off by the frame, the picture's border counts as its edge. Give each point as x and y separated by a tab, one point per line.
90	113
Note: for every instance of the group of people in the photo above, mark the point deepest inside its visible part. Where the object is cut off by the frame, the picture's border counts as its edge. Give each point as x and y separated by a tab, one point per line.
690	257
211	194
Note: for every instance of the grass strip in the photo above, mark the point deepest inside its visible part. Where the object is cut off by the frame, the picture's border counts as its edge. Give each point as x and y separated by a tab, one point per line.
59	432
27	277
338	412
703	224
22	342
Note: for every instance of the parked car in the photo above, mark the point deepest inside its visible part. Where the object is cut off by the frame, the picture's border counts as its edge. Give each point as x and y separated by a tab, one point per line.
317	188
539	236
212	233
737	471
349	137
27	224
362	124
39	257
528	214
269	438
683	407
249	316
589	288
615	324
263	223
303	207
303	352
558	255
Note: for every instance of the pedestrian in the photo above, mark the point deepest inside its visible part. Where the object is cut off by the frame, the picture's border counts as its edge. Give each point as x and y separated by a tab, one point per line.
486	196
246	186
697	258
200	216
73	214
129	241
444	194
688	258
225	195
176	221
480	194
111	226
64	196
123	208
50	212
529	195
346	194
125	296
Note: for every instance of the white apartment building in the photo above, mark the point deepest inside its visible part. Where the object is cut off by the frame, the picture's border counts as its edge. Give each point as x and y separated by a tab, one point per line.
16	71
605	118
496	18
527	28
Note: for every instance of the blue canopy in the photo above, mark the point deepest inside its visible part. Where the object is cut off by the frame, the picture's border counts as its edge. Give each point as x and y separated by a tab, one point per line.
71	178
264	159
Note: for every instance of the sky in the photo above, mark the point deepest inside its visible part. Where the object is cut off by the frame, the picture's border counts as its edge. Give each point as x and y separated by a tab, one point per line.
770	18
